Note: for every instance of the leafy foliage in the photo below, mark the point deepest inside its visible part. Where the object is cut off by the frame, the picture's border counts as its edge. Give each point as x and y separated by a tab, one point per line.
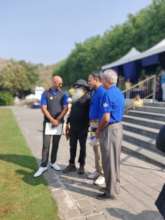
18	77
142	31
6	98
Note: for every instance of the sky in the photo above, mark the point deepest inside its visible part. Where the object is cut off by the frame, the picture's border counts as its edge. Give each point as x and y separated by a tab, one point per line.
45	31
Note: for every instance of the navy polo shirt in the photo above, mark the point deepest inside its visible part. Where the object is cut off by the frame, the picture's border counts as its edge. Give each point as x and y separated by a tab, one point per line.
53	92
95	104
113	102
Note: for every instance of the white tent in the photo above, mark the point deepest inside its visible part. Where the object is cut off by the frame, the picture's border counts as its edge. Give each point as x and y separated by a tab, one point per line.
134	55
131	55
157	49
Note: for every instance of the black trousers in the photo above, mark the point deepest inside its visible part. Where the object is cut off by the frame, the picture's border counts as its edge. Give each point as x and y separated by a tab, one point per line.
46	148
75	136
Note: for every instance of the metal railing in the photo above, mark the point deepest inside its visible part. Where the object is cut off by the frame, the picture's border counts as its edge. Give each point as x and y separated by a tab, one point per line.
145	89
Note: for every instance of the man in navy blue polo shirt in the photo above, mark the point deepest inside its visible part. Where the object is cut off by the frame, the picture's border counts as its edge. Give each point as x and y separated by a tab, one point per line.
94	81
54	106
110	133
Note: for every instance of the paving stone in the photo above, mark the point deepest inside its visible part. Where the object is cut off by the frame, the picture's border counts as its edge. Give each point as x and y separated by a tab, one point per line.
86	207
71	213
96	217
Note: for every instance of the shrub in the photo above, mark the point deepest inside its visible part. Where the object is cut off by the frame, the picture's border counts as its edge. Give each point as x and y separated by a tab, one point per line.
6	98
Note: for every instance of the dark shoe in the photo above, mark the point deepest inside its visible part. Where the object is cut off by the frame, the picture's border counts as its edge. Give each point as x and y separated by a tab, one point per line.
81	170
70	168
104	196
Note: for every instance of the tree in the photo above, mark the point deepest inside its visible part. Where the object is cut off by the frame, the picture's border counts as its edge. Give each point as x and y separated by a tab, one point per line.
18	78
142	31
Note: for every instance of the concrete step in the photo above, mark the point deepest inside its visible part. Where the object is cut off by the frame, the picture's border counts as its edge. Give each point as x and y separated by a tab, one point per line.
139	129
155	104
151	109
147	115
140	140
156	124
143	153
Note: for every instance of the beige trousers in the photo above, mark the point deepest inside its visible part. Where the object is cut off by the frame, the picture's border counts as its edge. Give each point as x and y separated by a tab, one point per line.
97	155
111	142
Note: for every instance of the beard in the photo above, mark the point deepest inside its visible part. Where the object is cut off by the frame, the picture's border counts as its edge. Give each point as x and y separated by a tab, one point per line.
76	93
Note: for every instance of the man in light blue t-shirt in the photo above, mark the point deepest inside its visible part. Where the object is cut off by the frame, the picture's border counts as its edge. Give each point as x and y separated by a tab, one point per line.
162	82
110	133
98	91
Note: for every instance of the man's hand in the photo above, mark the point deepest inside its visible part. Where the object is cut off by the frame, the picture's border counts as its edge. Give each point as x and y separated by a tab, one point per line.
103	123
48	115
55	122
63	113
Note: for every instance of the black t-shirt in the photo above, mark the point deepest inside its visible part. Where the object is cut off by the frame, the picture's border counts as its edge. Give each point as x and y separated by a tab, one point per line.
79	115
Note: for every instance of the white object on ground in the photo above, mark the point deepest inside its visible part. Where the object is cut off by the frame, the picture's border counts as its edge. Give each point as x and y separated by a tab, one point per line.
100	180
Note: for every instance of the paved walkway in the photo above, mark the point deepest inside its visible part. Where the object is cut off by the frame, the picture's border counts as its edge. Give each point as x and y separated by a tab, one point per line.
140	182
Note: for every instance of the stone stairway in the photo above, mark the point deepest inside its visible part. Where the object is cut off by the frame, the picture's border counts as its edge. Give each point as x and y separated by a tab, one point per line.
141	127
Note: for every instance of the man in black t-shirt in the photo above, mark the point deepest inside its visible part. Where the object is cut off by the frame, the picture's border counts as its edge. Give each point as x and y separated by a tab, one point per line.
77	125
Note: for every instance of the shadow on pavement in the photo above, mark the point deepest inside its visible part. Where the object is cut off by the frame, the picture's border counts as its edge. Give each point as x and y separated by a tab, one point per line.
144	168
74	184
28	164
122	214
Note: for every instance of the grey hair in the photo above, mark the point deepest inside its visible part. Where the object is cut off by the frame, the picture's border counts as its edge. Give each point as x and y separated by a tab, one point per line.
110	76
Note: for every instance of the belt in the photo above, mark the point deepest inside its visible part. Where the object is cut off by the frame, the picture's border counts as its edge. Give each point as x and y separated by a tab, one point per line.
117	124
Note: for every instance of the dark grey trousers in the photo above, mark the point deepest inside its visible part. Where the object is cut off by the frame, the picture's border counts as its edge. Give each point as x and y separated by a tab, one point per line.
46	148
110	142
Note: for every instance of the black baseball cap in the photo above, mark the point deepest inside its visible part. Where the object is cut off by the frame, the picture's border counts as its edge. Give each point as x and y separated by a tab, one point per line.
81	83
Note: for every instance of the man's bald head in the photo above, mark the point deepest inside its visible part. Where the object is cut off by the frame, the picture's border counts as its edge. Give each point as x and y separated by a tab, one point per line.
57	81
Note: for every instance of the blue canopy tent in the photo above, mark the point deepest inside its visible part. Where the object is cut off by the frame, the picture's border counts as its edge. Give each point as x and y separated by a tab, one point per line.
129	68
162	59
149	61
134	60
130	72
152	56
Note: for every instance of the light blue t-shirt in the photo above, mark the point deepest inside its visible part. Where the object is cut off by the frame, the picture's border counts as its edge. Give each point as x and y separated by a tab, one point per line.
95	104
113	102
162	79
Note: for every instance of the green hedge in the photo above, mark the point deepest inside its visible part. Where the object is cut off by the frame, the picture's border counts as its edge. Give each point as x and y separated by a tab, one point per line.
6	98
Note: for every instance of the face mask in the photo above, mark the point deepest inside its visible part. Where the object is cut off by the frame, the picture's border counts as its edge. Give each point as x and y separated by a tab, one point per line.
76	93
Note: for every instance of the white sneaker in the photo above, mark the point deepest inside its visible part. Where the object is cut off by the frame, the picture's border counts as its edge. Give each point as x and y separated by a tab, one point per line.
93	175
55	166
40	171
100	180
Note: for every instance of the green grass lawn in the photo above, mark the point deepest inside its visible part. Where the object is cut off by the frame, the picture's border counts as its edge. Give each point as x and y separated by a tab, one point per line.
21	196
